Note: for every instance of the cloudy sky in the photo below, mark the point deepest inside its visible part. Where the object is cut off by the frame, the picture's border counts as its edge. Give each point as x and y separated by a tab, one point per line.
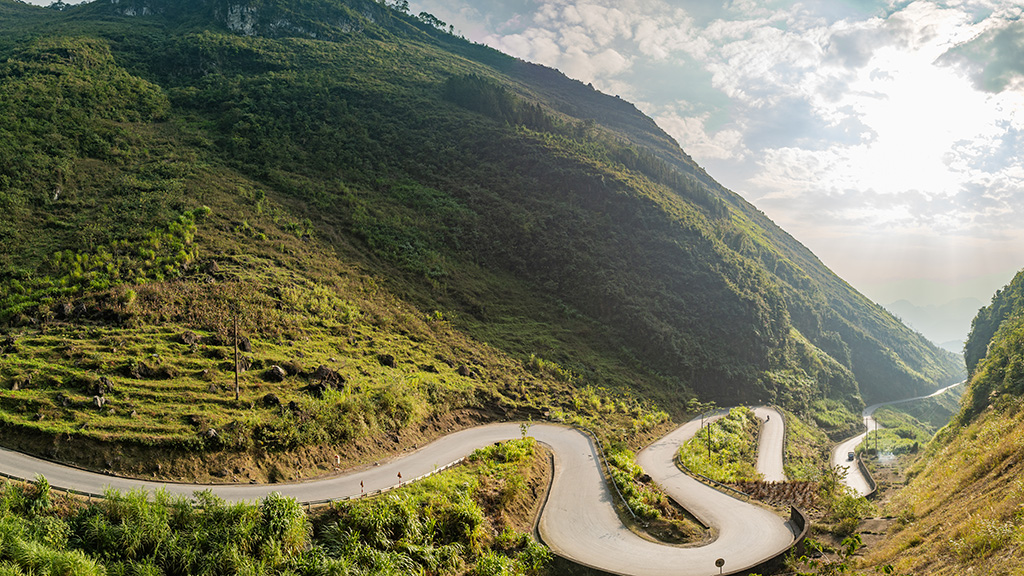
886	136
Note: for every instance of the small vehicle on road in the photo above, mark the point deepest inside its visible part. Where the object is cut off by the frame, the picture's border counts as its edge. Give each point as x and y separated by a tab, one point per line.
850	456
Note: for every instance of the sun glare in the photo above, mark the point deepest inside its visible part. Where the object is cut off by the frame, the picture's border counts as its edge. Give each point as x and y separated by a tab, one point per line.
918	112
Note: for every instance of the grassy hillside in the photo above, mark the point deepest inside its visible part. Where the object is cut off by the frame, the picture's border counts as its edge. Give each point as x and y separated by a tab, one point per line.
411	232
961	509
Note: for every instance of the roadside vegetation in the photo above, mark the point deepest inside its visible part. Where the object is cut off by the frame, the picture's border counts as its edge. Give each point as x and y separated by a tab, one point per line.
725	450
899	434
649	508
468	520
807	449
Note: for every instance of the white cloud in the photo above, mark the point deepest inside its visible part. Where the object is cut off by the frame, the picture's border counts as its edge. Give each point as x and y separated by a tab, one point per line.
723	144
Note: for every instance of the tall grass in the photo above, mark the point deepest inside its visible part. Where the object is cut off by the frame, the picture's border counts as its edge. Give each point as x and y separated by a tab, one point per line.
726	450
447	524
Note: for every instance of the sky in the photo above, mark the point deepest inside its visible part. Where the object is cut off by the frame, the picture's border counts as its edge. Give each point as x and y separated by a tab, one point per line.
888	137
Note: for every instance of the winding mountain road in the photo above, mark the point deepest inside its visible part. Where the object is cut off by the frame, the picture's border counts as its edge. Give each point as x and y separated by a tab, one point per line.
854	477
771	444
578	522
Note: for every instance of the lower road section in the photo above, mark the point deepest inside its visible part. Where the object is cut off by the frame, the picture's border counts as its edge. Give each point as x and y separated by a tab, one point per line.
579	521
841	453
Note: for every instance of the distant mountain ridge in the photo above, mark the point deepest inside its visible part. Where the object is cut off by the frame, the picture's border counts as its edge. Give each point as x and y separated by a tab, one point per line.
548	219
947	325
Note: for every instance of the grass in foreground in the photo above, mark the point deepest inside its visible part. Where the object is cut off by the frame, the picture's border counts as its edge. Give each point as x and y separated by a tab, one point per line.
961	510
453	523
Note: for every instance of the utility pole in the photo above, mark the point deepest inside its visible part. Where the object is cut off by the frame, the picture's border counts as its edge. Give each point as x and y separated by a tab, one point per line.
236	355
709	443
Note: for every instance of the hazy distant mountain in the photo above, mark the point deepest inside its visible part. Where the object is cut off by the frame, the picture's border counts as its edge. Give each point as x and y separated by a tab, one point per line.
947	324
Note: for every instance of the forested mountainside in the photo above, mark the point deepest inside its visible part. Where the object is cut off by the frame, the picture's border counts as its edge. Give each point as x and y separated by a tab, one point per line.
1005	303
961	511
402	223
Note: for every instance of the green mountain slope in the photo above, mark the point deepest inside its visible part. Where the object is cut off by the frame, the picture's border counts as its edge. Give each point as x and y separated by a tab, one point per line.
1006	303
961	509
444	227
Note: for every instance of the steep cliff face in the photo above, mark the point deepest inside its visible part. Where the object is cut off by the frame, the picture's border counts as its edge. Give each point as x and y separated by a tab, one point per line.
272	19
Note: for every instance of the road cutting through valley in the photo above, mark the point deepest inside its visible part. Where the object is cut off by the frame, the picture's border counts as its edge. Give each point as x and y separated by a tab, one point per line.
578	522
855	478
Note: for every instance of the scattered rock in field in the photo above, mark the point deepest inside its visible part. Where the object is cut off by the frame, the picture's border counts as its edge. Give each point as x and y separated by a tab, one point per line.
63	400
464	370
190	338
316	390
139	370
98	401
164	372
271	400
211	433
386	360
102	387
428	368
9	345
275	374
292	367
244	344
134	414
213	389
222	473
244	363
293	406
645	478
327	376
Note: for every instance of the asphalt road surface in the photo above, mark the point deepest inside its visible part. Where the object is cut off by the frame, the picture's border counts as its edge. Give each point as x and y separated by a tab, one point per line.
854	477
578	521
770	447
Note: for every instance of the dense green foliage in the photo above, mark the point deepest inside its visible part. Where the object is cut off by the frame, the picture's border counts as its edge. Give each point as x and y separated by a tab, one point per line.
725	450
438	526
1006	303
355	157
993	351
